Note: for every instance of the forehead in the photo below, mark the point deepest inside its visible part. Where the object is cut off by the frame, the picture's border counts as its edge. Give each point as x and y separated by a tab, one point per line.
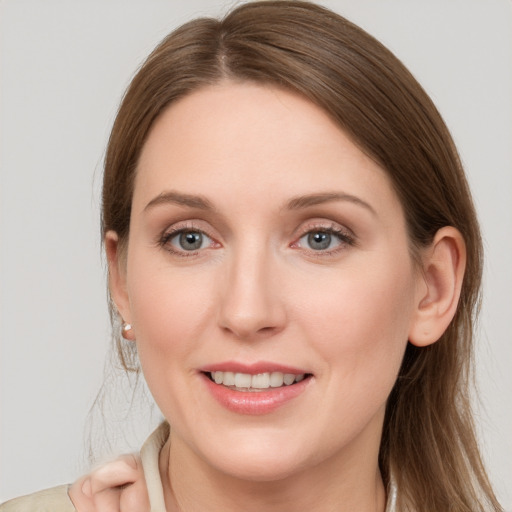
248	141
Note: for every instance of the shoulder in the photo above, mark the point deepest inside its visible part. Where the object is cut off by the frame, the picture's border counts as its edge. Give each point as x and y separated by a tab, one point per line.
55	499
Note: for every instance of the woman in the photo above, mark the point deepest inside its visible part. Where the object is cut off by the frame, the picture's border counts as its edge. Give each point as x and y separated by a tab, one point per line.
293	248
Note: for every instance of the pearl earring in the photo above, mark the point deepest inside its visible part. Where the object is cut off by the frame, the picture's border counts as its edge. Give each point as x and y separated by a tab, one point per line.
126	332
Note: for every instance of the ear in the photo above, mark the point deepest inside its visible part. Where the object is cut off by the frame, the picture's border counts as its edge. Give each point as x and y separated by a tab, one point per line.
117	280
444	263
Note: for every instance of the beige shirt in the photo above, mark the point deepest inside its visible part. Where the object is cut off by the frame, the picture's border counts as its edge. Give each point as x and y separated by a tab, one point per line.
57	499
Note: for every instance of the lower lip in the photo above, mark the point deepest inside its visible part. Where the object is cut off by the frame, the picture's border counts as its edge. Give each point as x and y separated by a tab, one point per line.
255	402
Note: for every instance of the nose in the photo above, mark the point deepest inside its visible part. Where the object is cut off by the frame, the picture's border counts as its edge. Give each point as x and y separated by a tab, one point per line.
252	306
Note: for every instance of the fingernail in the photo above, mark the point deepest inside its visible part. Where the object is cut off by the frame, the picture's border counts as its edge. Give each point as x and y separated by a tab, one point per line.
87	488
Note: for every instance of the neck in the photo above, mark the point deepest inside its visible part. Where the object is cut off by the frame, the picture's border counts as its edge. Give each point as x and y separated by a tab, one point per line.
191	485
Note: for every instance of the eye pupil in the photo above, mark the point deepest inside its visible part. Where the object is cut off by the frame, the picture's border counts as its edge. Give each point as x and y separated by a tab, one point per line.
319	240
190	241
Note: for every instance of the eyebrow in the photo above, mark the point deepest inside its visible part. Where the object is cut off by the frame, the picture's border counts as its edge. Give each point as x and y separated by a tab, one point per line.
296	203
192	201
300	202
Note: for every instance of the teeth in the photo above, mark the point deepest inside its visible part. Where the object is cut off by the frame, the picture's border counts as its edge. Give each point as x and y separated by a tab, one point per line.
259	381
288	378
228	379
243	380
276	379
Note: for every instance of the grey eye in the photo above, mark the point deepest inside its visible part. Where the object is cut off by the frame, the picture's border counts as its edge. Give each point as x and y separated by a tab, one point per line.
190	240
319	240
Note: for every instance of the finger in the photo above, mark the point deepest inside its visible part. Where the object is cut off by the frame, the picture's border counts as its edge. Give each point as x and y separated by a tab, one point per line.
79	493
122	471
134	498
108	500
100	491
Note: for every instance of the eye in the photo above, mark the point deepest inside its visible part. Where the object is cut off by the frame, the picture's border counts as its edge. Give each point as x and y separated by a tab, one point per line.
189	240
319	240
186	241
328	239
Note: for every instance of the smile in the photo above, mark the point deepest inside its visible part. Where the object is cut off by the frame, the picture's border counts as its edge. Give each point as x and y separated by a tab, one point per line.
248	382
254	389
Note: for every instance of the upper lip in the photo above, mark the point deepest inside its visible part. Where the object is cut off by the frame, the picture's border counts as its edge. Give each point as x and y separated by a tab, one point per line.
252	368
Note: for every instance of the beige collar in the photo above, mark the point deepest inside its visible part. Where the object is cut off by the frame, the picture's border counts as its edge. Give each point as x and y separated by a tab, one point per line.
149	455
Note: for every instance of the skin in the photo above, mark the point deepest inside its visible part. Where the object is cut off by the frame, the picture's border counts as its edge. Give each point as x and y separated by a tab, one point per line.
257	290
113	487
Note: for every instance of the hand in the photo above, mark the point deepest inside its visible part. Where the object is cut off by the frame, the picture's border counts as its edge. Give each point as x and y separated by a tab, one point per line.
114	487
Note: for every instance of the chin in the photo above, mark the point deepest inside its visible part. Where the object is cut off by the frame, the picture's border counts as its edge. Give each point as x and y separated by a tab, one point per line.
258	458
262	469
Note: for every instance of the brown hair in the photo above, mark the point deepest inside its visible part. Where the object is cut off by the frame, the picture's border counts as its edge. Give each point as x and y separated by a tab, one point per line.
428	442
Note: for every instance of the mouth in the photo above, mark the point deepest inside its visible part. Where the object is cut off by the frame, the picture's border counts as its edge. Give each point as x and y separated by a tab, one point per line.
257	388
247	382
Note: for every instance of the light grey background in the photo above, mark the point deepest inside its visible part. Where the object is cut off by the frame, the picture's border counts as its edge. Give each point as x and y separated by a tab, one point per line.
64	66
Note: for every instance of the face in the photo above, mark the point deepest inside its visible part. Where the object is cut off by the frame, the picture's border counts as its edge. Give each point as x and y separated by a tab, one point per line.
268	282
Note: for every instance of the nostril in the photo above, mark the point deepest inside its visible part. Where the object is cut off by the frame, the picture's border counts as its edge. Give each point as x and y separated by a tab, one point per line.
244	331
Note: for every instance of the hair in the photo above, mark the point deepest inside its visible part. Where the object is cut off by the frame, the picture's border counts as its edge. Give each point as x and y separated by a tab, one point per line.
428	443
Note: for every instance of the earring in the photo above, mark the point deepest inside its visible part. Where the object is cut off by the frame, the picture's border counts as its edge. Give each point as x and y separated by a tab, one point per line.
126	332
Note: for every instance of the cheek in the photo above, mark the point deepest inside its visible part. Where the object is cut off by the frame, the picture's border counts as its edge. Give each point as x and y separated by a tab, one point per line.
361	325
170	309
164	299
168	317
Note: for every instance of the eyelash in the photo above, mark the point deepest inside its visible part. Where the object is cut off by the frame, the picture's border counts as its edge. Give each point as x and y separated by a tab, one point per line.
344	237
167	236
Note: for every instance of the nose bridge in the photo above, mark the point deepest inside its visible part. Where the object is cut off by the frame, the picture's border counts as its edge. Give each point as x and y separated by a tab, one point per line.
250	305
